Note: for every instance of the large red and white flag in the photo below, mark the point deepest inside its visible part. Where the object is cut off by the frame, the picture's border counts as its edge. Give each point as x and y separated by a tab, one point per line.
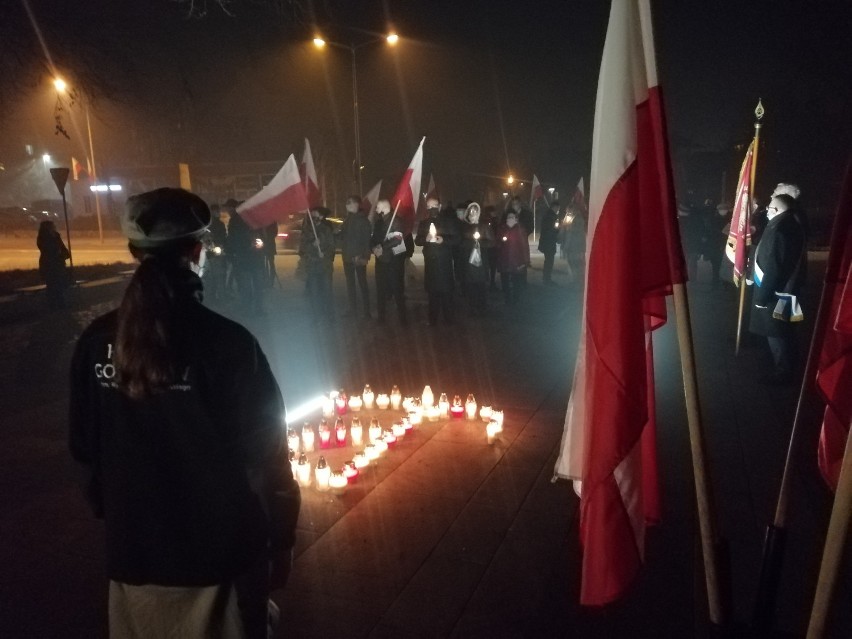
578	201
739	237
408	192
537	192
285	194
308	173
834	375
633	259
371	199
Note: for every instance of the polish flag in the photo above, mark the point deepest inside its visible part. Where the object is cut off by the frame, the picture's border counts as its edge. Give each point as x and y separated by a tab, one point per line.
76	168
432	190
285	194
370	200
579	199
408	192
634	257
537	191
308	173
739	237
834	374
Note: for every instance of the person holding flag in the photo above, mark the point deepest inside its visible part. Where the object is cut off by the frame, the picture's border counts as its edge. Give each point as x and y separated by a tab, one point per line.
316	250
391	247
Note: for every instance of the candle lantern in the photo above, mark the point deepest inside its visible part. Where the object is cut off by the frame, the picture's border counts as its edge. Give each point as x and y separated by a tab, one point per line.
337	482
433	414
340	403
372	453
375	430
389	438
360	460
340	432
406	424
444	406
456	410
492	429
395	397
357	432
428	397
307	437
355	403
470	406
327	407
382	401
398	429
322	472
324	434
407	403
485	413
303	471
381	446
368	396
294	462
415	417
350	471
292	440
497	416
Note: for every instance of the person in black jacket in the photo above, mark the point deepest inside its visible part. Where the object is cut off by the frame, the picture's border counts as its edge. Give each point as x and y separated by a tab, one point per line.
392	247
437	235
51	263
547	240
245	249
316	249
355	235
176	418
477	239
780	270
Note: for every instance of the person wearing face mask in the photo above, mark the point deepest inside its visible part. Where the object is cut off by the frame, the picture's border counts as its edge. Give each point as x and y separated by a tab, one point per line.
477	240
392	247
316	249
180	443
780	270
437	235
513	257
355	234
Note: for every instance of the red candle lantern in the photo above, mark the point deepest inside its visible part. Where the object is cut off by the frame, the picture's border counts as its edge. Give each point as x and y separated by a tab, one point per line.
340	432
457	409
325	434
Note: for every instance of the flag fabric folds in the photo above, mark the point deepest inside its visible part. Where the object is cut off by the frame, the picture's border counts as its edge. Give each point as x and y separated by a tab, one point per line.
408	192
308	173
431	190
834	372
76	168
633	259
739	237
537	191
285	194
370	200
578	201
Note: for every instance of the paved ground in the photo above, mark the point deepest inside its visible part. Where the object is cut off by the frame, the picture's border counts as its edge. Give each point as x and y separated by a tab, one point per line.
446	536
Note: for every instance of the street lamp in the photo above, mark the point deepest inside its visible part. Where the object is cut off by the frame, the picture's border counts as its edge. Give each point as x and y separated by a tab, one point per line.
319	42
62	87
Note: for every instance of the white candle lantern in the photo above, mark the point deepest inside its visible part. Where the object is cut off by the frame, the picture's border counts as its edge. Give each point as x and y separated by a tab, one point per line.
395	398
340	432
357	432
492	429
292	440
360	460
355	403
497	416
372	452
485	413
327	407
308	437
428	397
381	446
337	482
470	406
444	406
415	417
303	471
324	434
382	401
294	463
368	396
375	431
323	473
398	429
433	414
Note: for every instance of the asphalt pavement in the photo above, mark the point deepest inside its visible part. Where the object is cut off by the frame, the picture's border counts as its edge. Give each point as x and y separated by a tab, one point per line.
445	535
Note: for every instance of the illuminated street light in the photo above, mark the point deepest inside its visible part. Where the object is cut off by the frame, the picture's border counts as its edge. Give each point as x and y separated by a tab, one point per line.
46	158
510	179
60	85
319	43
392	39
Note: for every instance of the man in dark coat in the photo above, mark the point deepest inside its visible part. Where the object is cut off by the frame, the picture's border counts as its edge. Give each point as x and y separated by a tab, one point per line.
391	248
780	270
477	240
547	240
316	249
437	236
245	248
355	234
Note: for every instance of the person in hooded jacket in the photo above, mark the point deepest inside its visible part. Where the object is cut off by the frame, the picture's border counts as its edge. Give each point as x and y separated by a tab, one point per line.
477	240
51	263
175	417
513	257
437	235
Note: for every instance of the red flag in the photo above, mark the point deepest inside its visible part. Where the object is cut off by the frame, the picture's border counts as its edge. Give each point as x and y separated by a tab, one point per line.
76	168
370	200
308	173
834	374
408	192
578	201
634	258
537	192
285	194
739	237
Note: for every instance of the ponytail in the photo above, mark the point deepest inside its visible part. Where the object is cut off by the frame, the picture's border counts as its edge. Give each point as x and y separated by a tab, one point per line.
145	336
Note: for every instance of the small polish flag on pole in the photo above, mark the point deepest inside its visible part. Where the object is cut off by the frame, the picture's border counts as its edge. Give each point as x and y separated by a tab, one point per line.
537	191
308	173
408	192
285	194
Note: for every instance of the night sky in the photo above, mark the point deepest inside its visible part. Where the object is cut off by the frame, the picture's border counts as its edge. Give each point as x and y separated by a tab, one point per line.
495	86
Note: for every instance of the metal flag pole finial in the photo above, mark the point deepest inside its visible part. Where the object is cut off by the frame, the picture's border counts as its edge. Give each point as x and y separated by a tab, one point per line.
759	110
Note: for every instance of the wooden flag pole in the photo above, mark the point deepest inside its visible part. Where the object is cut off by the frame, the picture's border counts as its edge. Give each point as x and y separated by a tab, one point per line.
758	112
393	217
838	527
711	545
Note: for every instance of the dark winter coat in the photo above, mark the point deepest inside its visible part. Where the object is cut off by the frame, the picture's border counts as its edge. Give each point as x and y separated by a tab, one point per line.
782	258
549	232
513	249
52	257
308	246
438	258
380	230
355	234
477	274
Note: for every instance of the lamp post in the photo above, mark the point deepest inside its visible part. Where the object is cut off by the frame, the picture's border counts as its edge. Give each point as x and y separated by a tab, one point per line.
62	87
392	39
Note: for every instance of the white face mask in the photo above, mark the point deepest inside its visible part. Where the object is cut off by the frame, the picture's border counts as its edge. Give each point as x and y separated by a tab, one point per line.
510	222
473	216
460	214
352	207
772	211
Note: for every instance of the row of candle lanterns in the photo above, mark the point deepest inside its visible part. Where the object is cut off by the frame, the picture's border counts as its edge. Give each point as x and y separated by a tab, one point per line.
306	441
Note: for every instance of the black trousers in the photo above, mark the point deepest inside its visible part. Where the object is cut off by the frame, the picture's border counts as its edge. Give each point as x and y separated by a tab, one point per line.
357	273
390	283
441	303
512	284
548	266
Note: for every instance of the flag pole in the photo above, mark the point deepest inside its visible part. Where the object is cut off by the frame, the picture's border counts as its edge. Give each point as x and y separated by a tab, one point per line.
758	112
838	527
311	217
393	217
713	548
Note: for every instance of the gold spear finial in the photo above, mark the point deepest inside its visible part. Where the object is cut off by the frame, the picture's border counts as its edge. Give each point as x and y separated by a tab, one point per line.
758	111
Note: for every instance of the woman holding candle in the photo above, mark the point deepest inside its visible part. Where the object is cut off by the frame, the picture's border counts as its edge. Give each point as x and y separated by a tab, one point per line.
437	236
513	257
194	539
477	238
